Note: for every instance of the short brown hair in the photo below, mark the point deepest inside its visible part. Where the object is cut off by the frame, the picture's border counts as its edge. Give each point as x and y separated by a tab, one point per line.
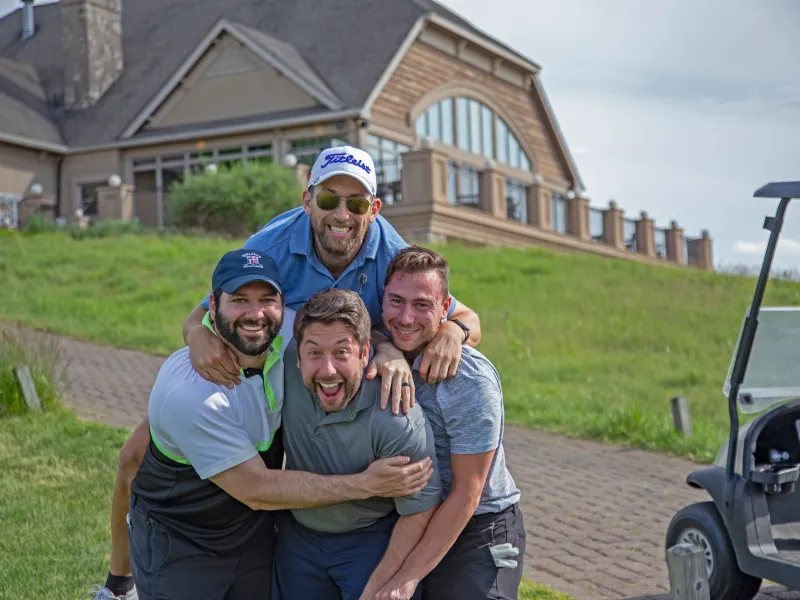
417	259
331	306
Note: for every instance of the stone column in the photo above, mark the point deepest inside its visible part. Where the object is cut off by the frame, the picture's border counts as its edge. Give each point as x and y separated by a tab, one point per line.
645	236
675	246
539	205
578	217
493	193
612	226
700	252
302	172
424	177
115	203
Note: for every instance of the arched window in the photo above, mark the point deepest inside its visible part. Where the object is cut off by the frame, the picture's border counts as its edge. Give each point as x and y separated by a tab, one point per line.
474	127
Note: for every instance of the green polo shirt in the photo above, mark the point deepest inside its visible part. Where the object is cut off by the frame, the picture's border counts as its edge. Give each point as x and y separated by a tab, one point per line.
346	442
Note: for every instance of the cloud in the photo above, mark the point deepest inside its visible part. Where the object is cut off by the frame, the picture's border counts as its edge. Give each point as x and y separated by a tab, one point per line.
786	246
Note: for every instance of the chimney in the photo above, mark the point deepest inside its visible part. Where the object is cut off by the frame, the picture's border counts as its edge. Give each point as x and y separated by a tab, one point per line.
28	25
91	35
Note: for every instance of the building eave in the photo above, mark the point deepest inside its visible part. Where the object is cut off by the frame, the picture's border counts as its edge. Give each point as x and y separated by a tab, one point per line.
219	131
485	43
33	144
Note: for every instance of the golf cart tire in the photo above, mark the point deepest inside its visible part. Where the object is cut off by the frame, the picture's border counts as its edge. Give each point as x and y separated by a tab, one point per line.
726	582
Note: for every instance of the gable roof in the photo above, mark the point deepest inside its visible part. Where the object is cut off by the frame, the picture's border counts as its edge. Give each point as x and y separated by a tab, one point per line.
24	109
282	56
161	35
159	38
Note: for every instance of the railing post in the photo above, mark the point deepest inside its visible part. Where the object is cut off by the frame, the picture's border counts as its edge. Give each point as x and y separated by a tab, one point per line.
538	199
612	226
675	246
645	242
699	252
424	177
578	217
492	188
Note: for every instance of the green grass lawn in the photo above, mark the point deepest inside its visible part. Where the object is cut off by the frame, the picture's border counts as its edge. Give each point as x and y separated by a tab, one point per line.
587	346
56	477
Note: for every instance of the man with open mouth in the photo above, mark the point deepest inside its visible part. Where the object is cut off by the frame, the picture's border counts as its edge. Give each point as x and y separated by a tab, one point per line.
333	424
201	518
335	239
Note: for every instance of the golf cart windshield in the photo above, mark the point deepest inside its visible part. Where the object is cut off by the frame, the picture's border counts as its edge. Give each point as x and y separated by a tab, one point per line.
773	371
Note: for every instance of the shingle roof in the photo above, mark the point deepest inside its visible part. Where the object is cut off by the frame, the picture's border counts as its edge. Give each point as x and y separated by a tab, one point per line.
342	46
24	109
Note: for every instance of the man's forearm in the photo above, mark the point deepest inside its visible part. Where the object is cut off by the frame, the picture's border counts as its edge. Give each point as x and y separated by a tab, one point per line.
442	532
282	490
120	547
406	535
194	319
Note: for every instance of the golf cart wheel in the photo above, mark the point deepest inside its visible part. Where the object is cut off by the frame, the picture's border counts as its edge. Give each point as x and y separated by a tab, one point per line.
702	525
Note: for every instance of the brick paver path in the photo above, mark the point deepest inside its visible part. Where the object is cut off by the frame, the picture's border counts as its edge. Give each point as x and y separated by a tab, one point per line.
595	514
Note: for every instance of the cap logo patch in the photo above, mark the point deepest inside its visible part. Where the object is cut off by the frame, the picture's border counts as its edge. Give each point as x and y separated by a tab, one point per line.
341	157
253	261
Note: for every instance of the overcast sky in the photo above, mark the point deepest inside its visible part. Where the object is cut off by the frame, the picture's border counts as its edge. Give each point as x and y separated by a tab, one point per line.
677	107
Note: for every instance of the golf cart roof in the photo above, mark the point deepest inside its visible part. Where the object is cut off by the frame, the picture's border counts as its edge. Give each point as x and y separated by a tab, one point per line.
779	189
772	374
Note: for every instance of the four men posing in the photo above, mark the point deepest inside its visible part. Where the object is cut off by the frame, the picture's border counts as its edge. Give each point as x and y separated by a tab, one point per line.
373	502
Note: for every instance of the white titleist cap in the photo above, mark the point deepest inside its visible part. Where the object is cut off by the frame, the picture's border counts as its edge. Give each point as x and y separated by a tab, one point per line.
344	160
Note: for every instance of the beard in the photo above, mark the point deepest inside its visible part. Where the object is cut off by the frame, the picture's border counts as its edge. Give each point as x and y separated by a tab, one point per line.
344	247
228	331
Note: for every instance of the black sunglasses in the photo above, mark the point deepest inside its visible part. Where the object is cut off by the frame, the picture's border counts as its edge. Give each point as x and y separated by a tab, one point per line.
358	205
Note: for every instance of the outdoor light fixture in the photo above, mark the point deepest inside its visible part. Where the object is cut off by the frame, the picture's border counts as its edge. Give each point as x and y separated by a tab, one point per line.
114	181
538	178
36	189
211	169
290	160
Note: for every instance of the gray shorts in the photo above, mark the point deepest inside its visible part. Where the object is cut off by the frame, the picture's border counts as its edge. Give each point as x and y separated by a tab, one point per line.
168	567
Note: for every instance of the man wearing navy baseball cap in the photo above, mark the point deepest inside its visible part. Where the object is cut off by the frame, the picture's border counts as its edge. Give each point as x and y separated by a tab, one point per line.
200	523
337	238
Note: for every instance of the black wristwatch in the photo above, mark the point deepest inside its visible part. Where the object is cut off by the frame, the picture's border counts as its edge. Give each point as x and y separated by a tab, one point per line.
464	327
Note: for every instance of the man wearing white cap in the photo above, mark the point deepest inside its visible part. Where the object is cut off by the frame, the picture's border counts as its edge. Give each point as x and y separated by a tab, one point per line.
335	239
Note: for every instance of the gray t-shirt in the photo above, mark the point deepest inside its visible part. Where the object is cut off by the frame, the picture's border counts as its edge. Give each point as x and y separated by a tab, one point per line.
194	421
199	429
466	415
346	442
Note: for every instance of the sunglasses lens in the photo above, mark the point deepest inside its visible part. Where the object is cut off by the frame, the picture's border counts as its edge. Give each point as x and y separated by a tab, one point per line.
328	201
358	206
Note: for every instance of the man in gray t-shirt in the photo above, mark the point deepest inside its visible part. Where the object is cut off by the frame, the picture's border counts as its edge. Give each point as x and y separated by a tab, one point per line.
201	518
475	543
333	425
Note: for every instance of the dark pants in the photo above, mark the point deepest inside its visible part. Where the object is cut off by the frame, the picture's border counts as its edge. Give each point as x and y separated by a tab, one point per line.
167	567
313	565
468	571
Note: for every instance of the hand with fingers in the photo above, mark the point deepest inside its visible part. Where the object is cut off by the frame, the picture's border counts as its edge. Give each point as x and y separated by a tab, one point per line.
397	476
397	380
442	355
211	358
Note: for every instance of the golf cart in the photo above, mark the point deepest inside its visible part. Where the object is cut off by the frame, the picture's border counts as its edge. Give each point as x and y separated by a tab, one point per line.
751	529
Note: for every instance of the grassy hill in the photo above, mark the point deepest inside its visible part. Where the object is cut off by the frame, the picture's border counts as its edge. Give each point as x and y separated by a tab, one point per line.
586	346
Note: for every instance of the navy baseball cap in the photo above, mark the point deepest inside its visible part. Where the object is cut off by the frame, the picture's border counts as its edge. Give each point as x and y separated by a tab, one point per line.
240	267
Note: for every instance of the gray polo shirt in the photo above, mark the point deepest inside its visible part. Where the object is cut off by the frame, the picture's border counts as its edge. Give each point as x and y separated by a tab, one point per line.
466	415
346	442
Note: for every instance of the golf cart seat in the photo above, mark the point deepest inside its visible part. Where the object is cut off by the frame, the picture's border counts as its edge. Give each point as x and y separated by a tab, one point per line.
780	189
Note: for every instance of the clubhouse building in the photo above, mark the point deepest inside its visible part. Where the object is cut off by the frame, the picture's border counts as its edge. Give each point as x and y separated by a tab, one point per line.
105	103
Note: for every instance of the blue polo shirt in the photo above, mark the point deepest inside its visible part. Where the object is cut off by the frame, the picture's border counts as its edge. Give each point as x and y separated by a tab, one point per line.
288	240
